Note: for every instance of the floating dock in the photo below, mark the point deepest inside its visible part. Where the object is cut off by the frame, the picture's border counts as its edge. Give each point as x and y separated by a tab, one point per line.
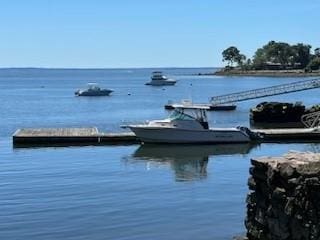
210	107
91	136
289	134
70	136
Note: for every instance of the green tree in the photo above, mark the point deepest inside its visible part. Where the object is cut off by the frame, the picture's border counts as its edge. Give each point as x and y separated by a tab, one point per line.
247	65
317	52
300	55
273	52
278	52
314	64
240	59
260	59
233	55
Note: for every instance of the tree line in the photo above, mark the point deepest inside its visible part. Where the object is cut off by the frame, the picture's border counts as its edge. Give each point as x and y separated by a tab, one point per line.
275	56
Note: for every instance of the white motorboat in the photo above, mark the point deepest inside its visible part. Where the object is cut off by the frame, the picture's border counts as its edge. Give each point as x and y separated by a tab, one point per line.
93	90
158	79
188	124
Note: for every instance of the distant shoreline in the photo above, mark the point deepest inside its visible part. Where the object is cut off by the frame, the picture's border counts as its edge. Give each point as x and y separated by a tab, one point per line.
264	73
102	68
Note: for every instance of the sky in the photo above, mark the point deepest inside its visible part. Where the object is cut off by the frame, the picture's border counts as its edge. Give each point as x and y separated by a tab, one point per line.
147	33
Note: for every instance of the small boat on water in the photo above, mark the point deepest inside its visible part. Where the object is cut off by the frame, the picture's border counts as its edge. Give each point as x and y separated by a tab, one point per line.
93	90
158	79
189	124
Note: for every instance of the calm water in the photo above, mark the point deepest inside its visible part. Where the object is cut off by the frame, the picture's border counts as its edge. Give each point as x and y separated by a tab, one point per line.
123	192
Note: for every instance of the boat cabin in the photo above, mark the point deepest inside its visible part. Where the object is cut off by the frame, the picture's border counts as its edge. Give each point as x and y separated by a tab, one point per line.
191	113
93	87
158	76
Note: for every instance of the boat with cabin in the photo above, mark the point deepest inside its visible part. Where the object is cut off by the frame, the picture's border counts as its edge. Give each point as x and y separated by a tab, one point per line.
189	124
93	90
158	79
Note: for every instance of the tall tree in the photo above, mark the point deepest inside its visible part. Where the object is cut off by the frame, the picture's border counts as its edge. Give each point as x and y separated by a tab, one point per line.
278	52
273	52
260	59
233	55
301	54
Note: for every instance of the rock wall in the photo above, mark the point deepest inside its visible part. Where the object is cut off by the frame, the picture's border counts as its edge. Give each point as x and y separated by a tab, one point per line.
284	201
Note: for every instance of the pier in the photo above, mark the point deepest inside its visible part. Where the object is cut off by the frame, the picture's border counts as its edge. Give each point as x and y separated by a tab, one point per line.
70	136
226	102
91	136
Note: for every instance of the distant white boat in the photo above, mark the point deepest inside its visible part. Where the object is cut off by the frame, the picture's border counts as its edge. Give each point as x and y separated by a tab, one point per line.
188	124
93	90
158	79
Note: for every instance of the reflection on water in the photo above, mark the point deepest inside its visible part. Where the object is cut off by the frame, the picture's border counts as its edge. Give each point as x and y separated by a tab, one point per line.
189	162
313	147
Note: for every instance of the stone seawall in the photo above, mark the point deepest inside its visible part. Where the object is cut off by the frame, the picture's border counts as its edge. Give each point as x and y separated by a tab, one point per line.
284	201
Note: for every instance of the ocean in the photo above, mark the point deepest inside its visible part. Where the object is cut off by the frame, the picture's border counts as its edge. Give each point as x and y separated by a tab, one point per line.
130	191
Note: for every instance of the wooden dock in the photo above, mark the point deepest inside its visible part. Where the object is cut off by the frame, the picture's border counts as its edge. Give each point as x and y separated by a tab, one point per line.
91	136
69	136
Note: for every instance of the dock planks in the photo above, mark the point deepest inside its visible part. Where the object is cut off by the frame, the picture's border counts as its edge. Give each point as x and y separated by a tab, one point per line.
47	136
56	132
91	136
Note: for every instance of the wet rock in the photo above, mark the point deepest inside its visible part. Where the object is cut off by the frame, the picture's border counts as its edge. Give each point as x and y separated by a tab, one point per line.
286	170
251	183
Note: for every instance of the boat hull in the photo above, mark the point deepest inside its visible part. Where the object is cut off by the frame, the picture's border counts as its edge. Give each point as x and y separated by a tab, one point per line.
175	135
93	94
161	83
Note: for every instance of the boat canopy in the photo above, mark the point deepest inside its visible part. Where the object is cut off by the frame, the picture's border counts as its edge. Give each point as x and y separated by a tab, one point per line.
93	86
188	114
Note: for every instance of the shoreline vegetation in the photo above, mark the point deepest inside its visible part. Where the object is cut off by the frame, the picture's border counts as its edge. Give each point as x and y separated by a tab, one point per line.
263	73
274	59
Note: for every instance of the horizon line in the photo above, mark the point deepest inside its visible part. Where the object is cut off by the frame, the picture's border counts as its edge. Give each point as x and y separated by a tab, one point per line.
95	68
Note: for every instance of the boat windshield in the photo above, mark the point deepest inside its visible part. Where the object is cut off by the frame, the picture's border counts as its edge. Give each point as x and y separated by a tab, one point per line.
93	87
179	114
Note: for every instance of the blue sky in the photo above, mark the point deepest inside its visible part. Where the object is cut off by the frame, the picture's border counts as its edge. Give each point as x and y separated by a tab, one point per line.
147	33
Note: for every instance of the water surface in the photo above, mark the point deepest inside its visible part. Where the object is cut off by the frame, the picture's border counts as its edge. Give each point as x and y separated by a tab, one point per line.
124	192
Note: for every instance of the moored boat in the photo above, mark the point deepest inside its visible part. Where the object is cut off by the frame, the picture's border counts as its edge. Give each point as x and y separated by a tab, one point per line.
188	124
158	79
93	90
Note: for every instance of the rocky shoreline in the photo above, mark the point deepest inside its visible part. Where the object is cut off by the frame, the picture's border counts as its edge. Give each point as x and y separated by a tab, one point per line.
263	73
284	202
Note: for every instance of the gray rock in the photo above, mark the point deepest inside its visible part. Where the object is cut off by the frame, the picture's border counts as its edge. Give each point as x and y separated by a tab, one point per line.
285	200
